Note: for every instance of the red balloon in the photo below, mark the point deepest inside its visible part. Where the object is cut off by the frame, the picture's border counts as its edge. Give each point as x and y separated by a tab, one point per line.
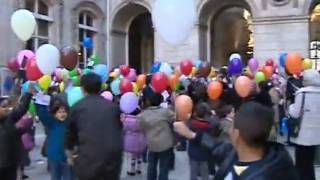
125	70
204	69
186	67
125	86
13	65
32	71
159	82
270	62
69	58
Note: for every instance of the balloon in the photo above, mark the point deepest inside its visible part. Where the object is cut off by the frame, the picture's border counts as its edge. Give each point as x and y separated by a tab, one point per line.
155	67
197	63
141	81
8	83
194	71
129	102
13	65
166	68
259	77
215	90
184	81
177	71
135	88
173	81
270	62
183	106
102	71
268	71
25	87
243	86
159	82
204	69
307	64
95	58
25	55
87	42
282	59
107	95
86	71
48	58
253	65
32	71
32	108
235	56
73	73
75	80
115	87
45	82
125	86
172	26
61	86
235	67
186	67
125	70
69	58
74	95
294	63
23	24
132	75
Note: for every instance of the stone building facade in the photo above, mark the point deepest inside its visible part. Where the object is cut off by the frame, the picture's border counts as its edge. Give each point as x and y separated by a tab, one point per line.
123	33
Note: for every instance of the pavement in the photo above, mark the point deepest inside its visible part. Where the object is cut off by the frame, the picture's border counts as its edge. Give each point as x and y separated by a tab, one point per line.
37	169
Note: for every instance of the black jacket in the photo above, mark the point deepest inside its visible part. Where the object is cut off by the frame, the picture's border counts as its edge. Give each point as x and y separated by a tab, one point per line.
10	143
94	127
276	165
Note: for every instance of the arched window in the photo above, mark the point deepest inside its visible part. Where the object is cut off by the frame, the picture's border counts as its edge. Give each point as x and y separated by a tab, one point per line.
42	14
86	25
315	35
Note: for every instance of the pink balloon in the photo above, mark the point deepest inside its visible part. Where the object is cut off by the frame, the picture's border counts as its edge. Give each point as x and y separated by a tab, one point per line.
13	65
132	75
107	95
25	54
58	74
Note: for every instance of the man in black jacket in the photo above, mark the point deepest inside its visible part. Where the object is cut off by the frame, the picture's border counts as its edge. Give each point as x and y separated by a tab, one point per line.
94	127
10	144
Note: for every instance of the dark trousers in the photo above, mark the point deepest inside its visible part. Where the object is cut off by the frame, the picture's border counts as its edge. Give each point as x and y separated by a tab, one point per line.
305	156
8	173
108	173
60	170
163	159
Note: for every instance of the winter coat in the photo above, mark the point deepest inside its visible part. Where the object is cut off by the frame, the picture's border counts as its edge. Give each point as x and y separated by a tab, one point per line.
310	124
276	165
10	143
55	134
157	122
134	137
94	127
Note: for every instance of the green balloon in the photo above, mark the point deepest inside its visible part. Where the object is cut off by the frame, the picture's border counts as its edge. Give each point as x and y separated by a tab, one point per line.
32	108
73	73
75	80
260	77
95	58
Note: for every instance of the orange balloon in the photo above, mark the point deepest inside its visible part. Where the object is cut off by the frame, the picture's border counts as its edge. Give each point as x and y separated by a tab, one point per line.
294	63
215	89
183	106
268	71
177	71
173	80
141	81
243	86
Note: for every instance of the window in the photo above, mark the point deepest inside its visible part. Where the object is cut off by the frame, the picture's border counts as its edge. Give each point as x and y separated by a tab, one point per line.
41	34
315	36
86	29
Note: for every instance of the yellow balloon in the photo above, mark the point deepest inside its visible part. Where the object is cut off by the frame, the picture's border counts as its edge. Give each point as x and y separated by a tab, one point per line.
307	64
135	88
104	86
194	71
212	72
61	86
44	82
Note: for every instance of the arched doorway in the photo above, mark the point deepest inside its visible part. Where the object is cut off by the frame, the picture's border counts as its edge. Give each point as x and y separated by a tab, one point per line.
315	35
132	38
225	28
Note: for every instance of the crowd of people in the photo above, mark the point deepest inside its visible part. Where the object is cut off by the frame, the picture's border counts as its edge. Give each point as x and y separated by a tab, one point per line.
228	138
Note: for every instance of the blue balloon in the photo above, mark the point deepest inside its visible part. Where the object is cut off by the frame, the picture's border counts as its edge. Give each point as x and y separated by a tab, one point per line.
235	67
102	71
197	63
282	59
25	87
115	87
87	42
8	83
155	67
74	95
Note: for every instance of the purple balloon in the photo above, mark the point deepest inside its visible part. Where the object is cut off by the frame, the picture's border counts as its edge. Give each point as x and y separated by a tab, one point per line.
132	75
253	65
107	95
129	102
235	67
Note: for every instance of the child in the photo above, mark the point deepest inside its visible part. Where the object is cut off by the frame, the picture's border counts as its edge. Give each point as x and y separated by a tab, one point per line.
10	144
198	154
54	120
134	141
157	122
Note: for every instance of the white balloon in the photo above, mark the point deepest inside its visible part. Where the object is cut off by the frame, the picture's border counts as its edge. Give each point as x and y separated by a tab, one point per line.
174	19
23	24
48	58
235	56
166	68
